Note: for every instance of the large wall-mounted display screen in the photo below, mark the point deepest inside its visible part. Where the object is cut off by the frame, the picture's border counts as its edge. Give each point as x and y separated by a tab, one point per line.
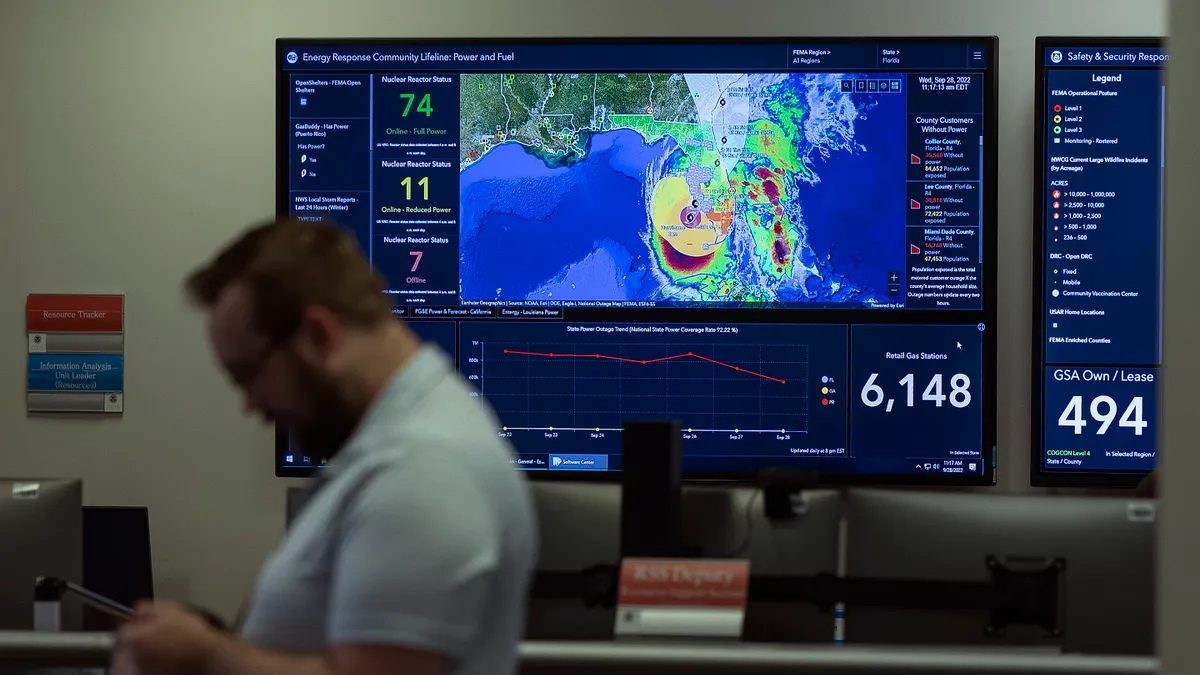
1097	306
788	245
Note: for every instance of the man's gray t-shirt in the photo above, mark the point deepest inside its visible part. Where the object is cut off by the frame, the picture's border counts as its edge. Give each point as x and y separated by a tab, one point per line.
419	534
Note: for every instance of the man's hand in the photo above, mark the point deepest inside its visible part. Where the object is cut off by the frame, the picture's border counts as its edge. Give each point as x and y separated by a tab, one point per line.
164	639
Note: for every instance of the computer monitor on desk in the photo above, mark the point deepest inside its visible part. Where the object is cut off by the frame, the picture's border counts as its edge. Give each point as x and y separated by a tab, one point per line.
116	559
1107	545
41	525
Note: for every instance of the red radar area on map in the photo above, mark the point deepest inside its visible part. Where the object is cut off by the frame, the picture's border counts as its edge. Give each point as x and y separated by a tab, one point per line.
681	262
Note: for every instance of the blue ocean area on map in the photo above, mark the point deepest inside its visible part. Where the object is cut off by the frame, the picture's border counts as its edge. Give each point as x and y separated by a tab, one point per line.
852	214
527	222
829	191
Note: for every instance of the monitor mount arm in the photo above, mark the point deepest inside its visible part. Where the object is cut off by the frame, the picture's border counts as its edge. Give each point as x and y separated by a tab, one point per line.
1018	592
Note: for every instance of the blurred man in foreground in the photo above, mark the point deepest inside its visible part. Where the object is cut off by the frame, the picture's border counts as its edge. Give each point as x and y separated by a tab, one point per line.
414	552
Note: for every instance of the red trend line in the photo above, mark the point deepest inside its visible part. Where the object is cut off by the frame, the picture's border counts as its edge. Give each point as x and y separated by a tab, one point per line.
608	357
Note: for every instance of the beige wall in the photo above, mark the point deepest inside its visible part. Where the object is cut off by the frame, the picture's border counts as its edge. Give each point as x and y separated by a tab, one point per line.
1178	551
136	135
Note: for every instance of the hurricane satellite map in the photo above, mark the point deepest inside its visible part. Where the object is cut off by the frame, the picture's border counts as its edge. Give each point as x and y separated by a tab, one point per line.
679	188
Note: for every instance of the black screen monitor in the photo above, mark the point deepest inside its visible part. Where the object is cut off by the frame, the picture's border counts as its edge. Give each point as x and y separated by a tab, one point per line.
116	559
787	244
1097	280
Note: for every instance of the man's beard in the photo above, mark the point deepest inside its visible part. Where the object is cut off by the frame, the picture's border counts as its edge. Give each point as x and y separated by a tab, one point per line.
331	421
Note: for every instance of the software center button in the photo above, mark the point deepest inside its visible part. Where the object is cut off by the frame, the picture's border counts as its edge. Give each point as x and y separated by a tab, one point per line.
579	462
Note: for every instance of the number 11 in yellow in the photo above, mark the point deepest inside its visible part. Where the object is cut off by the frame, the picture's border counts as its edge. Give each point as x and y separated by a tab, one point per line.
422	183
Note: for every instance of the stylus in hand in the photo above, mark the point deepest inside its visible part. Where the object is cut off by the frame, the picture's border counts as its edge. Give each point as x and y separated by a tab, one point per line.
100	602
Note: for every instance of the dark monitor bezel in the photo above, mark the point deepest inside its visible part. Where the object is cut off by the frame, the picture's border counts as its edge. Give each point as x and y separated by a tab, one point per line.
989	224
1039	477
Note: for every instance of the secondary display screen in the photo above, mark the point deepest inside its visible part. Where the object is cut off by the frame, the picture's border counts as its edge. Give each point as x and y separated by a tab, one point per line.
1098	268
788	246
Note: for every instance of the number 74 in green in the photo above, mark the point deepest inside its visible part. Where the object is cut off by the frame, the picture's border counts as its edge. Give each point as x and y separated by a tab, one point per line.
425	105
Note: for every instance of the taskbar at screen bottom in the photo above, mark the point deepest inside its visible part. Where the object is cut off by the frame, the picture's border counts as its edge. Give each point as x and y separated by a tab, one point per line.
923	469
568	466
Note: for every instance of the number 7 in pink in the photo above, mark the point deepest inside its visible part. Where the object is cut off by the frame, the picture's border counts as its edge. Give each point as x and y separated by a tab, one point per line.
416	262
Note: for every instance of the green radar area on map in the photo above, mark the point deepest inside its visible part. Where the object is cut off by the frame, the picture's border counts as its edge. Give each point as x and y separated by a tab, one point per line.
772	188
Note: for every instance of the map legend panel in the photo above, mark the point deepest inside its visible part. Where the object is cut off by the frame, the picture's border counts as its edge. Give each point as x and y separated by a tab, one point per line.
1103	213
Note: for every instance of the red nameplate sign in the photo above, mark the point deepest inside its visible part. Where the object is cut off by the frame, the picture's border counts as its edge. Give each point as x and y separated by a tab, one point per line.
682	597
74	314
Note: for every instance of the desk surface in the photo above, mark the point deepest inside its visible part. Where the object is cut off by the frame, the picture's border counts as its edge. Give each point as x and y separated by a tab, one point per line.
92	649
746	658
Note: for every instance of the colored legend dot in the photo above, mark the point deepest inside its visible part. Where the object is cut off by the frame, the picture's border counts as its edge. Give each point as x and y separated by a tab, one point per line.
1057	108
1057	119
824	390
824	401
1058	130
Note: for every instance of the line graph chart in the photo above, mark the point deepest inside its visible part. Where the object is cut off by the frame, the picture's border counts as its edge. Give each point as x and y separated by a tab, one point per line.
610	357
744	380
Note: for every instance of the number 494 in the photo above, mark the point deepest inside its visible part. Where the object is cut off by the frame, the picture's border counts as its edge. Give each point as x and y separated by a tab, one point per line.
1103	409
